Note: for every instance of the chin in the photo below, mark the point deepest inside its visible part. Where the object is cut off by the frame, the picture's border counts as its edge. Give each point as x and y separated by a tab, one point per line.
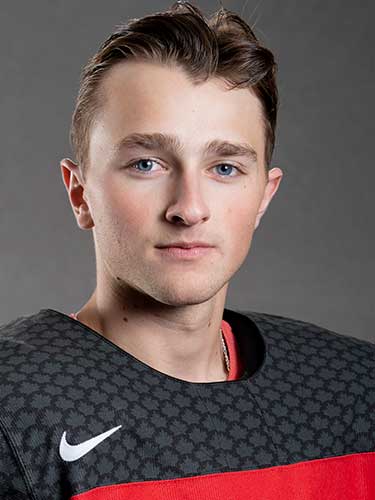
186	295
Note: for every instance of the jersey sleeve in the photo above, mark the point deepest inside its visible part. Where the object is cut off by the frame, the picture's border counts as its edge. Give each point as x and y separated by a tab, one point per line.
12	482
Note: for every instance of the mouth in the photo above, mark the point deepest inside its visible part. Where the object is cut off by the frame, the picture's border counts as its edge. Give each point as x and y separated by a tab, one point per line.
175	252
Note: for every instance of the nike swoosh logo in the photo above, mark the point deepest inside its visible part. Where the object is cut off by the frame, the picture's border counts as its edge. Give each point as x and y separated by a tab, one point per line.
71	452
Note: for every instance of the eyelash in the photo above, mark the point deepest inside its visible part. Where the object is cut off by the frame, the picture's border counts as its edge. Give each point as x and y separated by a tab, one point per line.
132	165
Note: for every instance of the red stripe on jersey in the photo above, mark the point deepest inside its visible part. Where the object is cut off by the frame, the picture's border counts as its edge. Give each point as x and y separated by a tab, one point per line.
349	477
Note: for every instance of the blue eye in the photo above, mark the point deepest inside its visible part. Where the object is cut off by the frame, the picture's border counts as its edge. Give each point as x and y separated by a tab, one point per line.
227	165
147	163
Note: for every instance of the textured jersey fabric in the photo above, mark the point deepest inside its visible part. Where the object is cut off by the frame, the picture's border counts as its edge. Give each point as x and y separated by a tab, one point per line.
81	419
236	367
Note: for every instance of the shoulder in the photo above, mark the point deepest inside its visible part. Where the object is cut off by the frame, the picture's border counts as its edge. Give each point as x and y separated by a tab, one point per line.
320	352
25	343
331	363
301	332
329	375
19	334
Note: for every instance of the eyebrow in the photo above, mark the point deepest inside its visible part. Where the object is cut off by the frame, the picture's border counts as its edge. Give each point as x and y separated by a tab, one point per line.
171	143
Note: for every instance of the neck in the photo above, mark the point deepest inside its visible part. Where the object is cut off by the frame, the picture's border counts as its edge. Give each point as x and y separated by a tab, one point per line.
183	342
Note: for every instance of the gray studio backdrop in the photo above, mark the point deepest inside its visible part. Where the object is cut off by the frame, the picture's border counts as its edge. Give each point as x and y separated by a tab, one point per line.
312	257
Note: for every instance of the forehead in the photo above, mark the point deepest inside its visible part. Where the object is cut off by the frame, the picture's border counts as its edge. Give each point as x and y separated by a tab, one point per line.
144	97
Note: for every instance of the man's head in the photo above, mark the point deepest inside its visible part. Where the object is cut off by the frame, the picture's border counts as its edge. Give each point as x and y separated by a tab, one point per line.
174	147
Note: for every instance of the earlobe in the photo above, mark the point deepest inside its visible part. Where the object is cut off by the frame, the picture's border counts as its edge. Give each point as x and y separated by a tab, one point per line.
83	216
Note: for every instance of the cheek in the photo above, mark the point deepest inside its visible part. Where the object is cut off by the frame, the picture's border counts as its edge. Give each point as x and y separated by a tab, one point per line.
240	228
241	218
119	214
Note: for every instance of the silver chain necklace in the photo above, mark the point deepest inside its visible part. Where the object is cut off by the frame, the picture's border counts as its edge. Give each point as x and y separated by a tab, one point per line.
225	351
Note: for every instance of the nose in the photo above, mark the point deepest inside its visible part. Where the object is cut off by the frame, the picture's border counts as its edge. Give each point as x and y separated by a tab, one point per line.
188	206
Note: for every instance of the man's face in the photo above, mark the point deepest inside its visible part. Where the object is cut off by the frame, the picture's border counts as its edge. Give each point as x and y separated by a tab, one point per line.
173	195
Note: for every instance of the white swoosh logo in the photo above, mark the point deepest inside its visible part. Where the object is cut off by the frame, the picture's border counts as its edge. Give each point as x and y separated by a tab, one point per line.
69	452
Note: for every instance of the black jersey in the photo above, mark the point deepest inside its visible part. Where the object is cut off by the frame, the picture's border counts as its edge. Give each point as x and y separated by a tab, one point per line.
82	419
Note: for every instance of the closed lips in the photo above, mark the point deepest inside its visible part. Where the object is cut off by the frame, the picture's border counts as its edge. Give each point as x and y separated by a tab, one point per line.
182	244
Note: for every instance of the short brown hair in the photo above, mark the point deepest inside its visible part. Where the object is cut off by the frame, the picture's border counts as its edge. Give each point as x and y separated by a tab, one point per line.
223	46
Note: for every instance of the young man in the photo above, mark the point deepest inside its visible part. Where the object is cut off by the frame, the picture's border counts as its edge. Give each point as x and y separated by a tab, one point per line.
154	389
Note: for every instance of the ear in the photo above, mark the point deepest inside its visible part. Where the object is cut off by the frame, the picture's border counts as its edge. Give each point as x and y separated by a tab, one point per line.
274	178
75	187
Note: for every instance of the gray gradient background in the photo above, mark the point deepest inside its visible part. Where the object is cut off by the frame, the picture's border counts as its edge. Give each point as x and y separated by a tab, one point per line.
312	257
